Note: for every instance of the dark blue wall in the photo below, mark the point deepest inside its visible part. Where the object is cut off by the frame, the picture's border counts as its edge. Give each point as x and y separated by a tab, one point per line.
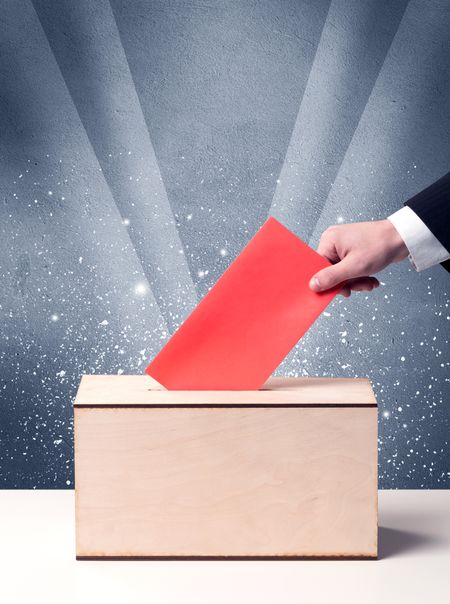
142	145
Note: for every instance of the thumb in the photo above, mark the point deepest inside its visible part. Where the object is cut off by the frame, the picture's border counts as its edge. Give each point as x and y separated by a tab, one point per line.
332	275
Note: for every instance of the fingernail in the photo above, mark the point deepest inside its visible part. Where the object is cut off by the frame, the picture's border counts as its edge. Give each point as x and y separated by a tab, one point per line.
314	284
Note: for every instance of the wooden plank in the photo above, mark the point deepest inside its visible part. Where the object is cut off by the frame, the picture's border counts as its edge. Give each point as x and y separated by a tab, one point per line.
226	482
136	390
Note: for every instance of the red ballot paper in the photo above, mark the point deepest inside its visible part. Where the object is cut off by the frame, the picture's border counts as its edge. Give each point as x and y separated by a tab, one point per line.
248	322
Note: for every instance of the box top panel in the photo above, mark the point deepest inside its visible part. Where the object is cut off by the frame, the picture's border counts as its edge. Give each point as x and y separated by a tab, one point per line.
141	390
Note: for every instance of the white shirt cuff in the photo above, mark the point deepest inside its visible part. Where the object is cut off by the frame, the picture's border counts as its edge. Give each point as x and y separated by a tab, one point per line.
424	248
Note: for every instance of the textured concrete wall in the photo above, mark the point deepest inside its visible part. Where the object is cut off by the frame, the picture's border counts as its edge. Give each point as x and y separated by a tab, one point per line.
142	145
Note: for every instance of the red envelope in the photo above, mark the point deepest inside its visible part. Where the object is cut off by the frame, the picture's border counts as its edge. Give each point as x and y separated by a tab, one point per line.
249	321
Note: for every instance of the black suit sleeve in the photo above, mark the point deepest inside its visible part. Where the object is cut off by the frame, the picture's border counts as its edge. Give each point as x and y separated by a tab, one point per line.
432	206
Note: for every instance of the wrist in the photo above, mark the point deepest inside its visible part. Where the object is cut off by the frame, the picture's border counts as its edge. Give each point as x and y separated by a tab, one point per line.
396	244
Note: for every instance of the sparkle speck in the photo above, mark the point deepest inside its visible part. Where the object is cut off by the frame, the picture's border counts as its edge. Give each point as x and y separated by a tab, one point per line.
386	414
54	318
126	221
340	219
140	289
223	252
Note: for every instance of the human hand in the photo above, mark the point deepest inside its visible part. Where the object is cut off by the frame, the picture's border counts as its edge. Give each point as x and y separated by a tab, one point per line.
357	251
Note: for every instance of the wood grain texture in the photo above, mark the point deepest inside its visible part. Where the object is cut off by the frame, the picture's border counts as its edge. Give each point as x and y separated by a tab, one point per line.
226	482
123	390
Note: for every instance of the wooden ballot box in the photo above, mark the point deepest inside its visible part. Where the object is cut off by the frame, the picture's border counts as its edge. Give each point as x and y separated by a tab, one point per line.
288	471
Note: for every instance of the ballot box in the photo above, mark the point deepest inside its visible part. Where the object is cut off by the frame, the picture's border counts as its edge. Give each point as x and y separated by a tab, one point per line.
287	471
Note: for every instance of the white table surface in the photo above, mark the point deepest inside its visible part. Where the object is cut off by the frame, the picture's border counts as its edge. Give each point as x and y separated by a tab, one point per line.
37	562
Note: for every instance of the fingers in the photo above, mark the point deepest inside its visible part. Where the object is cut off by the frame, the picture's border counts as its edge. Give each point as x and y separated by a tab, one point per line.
332	275
350	256
327	247
362	284
338	273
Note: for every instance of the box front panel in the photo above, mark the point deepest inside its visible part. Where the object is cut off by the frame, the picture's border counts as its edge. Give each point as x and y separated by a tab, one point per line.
226	481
